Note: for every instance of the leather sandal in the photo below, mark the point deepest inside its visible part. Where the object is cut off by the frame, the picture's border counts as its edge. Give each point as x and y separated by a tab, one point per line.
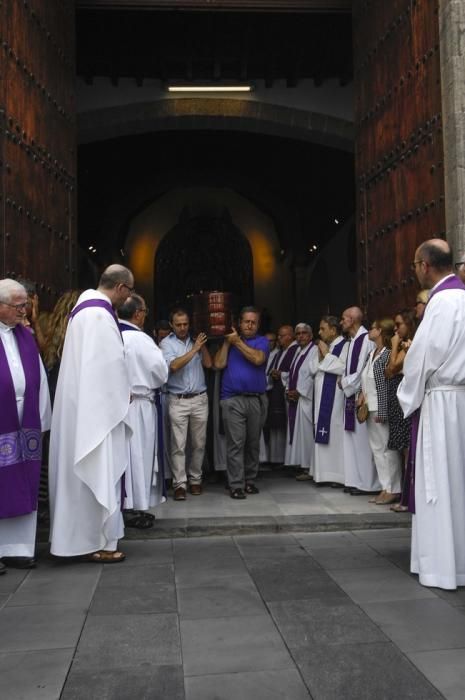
251	488
237	494
105	557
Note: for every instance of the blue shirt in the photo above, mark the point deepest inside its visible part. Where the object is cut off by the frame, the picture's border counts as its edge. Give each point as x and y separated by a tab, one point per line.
242	376
191	378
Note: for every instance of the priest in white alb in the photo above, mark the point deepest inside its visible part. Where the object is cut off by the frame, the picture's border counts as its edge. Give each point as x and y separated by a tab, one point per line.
359	467
25	414
327	366
434	383
299	438
148	371
90	429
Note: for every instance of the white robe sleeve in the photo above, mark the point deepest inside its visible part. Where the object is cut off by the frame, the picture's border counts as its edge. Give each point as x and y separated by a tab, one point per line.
45	409
350	384
335	365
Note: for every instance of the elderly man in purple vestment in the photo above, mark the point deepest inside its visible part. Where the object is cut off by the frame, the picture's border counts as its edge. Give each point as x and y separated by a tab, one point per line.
90	426
25	415
434	383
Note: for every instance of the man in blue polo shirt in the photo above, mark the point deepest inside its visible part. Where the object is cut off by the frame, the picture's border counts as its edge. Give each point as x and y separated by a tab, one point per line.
243	357
187	402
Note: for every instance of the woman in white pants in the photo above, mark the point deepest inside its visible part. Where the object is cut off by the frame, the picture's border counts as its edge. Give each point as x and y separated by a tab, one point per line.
375	395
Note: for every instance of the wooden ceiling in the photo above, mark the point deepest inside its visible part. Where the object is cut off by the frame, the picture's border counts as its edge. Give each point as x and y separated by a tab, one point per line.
213	46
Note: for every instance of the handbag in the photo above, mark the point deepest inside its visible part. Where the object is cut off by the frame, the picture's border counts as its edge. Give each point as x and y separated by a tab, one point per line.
362	412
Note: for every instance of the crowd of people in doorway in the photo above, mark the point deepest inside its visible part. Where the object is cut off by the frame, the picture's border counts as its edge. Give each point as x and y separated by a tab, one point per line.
375	411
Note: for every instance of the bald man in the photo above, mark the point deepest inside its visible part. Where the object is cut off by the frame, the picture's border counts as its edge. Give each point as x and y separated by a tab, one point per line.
433	391
90	432
359	468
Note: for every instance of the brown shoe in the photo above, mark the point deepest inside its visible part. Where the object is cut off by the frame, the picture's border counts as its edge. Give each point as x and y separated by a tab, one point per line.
195	489
180	494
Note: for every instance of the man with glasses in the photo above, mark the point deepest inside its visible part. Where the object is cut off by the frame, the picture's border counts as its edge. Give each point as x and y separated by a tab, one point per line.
25	414
434	383
90	430
144	481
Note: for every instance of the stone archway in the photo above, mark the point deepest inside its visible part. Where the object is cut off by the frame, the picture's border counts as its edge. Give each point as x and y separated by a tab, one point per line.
215	113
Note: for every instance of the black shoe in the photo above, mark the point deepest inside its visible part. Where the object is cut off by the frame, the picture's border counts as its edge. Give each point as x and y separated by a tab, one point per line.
2	568
19	562
336	485
347	489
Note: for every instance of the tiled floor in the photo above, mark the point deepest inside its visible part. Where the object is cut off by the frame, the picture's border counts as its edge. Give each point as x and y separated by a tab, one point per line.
332	615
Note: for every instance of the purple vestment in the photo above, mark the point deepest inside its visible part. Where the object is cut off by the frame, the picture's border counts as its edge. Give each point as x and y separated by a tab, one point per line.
349	408
20	443
328	393
293	378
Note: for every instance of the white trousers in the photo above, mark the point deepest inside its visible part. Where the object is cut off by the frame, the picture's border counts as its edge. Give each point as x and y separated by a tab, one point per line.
18	535
187	416
388	462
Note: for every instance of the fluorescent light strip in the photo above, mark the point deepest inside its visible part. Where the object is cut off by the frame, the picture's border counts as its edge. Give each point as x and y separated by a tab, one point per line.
209	88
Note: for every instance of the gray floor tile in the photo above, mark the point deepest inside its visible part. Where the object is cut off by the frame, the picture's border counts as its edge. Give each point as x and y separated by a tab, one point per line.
307	622
62	587
34	675
379	584
191	573
284	553
3	600
454	598
261	541
237	595
419	625
202	543
142	683
285	684
314	540
445	669
147	552
142	589
40	627
347	557
10	581
380	533
275	581
361	672
128	641
233	644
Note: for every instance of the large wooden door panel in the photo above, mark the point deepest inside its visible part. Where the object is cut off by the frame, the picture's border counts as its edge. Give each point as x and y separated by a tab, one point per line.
37	143
399	145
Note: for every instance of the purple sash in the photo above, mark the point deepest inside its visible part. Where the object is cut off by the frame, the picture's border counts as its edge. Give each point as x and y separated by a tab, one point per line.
100	303
408	492
349	408
126	327
20	445
288	358
160	444
328	393
293	377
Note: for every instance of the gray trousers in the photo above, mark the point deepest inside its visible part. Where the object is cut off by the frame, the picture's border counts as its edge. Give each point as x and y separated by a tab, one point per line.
243	419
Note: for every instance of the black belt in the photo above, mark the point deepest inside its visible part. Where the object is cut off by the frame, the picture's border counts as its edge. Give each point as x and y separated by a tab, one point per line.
188	396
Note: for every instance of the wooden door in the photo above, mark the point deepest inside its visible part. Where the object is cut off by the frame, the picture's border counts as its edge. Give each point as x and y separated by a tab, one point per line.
399	146
37	144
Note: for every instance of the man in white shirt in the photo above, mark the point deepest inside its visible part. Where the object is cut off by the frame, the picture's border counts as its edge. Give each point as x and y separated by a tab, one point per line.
25	414
148	371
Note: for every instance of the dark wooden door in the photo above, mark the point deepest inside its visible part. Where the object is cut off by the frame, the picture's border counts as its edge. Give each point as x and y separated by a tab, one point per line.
37	144
399	146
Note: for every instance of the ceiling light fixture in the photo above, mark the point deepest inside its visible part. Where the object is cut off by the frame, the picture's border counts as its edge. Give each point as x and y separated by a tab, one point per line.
209	88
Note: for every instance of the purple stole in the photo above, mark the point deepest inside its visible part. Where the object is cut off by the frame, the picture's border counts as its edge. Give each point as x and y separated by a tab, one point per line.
276	417
408	498
349	408
328	393
293	377
20	444
126	327
101	303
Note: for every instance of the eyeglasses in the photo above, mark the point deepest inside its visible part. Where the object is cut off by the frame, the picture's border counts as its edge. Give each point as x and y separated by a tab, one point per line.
414	264
18	307
459	265
130	289
145	310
